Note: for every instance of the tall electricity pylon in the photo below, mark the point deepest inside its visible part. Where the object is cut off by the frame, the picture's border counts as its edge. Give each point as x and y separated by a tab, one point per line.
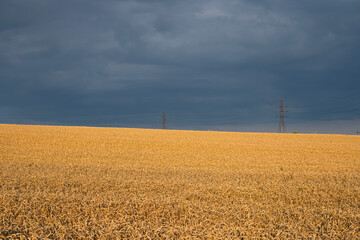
163	120
282	128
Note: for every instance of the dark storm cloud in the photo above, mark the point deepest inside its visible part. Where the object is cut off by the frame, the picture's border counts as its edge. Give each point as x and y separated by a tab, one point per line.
208	64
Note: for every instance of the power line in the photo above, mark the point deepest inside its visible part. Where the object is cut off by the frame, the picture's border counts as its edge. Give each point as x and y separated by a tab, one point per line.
338	99
338	104
339	107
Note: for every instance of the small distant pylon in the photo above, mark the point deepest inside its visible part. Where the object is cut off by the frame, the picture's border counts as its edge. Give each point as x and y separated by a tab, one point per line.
163	120
282	127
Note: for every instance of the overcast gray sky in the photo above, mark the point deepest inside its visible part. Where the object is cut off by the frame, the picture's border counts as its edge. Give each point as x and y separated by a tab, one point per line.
209	64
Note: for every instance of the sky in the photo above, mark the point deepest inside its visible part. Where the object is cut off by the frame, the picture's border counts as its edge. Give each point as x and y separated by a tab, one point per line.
208	64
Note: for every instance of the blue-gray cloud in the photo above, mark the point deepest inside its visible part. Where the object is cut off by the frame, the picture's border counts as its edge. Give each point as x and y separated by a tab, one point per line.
208	64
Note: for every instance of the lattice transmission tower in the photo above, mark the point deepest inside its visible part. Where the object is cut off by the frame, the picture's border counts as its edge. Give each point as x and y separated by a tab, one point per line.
163	120
282	127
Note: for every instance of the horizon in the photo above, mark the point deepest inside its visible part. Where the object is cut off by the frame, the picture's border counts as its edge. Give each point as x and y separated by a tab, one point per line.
173	129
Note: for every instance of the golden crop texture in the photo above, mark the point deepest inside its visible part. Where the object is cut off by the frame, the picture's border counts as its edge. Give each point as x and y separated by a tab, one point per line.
113	183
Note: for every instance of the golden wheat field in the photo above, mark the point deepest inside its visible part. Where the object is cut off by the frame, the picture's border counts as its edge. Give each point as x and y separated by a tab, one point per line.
113	183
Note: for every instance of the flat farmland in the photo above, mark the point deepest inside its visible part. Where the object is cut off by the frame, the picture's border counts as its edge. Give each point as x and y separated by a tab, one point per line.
116	183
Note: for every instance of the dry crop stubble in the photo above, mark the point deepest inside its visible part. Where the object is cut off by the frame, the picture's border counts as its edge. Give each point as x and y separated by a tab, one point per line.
106	183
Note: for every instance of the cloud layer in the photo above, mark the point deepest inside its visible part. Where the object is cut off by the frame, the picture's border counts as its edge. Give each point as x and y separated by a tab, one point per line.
208	64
